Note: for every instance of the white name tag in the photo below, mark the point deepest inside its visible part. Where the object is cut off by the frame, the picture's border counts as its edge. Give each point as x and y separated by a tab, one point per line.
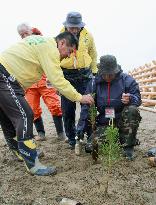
109	112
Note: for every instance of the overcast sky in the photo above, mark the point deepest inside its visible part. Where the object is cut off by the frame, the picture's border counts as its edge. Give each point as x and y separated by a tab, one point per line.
124	28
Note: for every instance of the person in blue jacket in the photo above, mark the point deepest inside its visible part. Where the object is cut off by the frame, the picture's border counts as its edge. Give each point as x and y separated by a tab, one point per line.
117	96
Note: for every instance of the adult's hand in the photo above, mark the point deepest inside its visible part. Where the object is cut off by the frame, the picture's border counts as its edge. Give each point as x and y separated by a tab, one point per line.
87	99
125	98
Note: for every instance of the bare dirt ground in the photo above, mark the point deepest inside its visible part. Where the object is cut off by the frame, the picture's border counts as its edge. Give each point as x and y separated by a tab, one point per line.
131	183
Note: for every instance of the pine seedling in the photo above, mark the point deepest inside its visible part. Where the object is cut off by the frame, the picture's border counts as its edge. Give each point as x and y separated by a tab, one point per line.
92	116
110	151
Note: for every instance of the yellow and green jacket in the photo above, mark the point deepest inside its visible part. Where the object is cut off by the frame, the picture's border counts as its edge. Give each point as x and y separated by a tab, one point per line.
34	56
86	55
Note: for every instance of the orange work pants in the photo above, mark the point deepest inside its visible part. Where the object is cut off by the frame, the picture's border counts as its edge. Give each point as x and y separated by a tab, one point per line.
49	96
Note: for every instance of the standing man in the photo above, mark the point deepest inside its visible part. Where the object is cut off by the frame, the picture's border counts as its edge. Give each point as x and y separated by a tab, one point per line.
78	69
49	96
20	66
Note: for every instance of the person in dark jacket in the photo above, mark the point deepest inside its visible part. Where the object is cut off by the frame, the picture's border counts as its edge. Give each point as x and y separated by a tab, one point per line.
117	96
77	69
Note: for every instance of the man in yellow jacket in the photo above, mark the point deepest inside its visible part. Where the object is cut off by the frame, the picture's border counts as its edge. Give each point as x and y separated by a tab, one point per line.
20	66
48	94
78	69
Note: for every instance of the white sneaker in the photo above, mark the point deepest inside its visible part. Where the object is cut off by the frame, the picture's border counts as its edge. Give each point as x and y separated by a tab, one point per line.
78	148
66	140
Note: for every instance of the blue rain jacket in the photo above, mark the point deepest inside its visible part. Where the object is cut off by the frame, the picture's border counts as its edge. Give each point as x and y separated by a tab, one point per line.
123	83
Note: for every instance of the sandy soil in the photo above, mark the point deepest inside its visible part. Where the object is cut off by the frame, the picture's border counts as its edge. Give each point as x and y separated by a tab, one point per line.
131	183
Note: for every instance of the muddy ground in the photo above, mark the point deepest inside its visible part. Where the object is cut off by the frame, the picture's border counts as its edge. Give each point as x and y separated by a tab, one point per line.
131	183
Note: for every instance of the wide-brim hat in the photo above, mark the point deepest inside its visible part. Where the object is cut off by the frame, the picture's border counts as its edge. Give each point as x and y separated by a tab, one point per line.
74	19
108	65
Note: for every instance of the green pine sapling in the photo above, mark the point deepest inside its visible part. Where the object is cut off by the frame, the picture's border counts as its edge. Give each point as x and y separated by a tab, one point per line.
110	150
92	116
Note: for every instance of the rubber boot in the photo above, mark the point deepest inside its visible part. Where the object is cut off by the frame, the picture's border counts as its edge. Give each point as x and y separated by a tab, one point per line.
28	152
13	146
59	127
11	142
40	129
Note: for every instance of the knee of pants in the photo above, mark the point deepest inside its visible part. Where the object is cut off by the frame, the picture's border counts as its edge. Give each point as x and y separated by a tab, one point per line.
55	110
37	113
8	129
24	125
131	113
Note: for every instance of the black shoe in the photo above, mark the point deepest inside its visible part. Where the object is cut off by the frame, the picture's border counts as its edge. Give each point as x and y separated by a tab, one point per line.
89	147
129	152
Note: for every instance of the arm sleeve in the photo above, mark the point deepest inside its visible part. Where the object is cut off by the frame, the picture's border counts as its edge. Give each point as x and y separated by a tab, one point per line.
49	60
93	54
132	87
